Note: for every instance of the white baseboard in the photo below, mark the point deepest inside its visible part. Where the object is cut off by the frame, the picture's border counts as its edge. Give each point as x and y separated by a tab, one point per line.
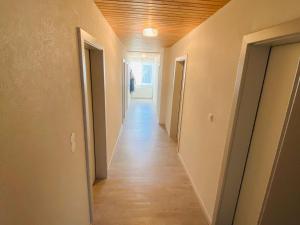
204	209
115	147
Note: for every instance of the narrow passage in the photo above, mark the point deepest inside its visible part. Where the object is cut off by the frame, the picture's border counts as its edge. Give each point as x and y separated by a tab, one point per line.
146	184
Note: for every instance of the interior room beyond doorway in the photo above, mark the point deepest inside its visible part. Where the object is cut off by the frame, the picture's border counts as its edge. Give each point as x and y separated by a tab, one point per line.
143	70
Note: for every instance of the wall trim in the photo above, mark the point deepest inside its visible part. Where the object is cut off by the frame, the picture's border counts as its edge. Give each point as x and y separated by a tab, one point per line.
85	40
184	59
115	147
202	205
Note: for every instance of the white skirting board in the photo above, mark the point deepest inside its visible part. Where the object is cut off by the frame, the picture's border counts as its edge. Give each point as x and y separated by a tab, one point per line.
115	146
204	209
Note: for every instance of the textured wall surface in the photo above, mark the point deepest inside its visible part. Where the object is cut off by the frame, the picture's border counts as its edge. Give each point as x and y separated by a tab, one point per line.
213	51
41	180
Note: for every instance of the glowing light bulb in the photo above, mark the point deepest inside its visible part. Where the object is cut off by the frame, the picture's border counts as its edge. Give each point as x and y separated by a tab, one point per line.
150	32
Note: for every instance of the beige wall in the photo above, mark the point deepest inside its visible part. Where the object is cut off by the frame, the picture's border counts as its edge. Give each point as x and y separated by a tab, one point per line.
213	51
164	90
41	180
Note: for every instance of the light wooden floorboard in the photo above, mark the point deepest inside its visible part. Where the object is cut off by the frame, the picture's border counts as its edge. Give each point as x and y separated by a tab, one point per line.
146	184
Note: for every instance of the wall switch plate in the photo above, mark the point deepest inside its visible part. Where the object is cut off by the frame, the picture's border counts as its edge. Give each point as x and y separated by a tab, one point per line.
211	117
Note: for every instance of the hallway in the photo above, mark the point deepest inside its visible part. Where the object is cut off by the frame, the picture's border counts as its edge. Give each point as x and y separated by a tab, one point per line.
146	184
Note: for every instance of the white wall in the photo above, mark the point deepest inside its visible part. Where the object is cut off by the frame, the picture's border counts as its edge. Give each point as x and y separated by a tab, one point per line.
213	50
142	92
41	180
158	84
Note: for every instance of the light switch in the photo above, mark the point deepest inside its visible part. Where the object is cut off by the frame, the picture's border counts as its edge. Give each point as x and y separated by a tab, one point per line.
73	142
211	117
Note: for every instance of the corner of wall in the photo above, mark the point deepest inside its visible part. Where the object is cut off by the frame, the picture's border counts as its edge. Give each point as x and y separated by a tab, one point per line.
164	87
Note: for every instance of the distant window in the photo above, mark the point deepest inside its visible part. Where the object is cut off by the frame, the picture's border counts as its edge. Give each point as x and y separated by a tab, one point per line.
147	74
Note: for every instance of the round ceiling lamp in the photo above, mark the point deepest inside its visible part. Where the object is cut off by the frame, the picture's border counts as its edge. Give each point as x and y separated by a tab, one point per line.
150	32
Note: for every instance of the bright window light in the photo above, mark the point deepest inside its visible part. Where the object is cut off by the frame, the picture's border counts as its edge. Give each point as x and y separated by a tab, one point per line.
150	32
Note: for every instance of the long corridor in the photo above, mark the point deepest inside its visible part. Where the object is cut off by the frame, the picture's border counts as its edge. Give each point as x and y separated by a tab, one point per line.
146	184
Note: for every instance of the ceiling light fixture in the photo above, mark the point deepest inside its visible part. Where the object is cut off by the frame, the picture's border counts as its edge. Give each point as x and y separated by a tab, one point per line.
150	32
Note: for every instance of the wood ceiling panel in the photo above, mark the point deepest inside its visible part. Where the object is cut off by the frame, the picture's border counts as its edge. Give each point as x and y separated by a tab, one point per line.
172	18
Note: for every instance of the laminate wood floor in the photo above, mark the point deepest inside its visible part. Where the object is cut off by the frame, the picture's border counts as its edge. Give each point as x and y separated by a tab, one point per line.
146	184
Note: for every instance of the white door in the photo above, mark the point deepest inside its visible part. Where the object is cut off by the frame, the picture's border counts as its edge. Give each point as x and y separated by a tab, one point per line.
90	125
272	111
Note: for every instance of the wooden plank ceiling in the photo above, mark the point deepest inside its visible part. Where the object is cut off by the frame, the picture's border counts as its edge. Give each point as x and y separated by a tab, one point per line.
172	18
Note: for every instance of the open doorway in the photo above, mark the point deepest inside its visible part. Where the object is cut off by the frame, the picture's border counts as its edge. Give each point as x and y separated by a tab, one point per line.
125	89
261	161
93	96
177	99
143	73
269	136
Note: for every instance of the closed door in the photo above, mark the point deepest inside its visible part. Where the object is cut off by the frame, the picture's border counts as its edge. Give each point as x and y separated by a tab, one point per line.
272	112
90	122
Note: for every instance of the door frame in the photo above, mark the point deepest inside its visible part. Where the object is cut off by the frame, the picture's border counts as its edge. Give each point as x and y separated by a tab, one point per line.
295	95
127	92
97	59
248	87
179	59
124	89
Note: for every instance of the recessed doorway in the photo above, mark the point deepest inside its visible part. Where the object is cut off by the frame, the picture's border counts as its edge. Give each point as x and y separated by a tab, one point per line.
93	96
125	89
178	97
262	127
